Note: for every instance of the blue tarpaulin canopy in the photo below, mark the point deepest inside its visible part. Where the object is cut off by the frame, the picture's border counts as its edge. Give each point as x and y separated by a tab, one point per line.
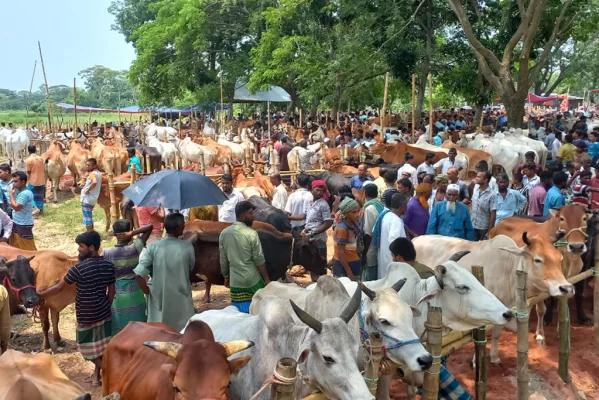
135	109
274	94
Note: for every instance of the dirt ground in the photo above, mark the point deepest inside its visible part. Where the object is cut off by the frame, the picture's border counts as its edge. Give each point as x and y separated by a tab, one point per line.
545	382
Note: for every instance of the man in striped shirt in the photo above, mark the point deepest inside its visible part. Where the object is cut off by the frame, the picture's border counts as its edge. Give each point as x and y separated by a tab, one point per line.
95	290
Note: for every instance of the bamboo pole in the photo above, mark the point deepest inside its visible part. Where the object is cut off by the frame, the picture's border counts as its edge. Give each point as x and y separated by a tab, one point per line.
596	292
430	104
29	96
434	327
271	155
375	350
301	120
479	336
222	107
269	119
148	165
202	162
179	124
49	100
287	369
75	105
564	338
385	93
413	106
133	175
114	213
522	344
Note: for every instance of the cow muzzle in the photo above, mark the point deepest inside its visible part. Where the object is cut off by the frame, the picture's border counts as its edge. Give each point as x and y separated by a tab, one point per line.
577	248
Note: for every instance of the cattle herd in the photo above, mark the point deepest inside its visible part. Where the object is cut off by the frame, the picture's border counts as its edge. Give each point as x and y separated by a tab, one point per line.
229	354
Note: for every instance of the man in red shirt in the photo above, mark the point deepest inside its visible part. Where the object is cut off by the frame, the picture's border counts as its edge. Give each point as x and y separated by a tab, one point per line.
151	216
536	198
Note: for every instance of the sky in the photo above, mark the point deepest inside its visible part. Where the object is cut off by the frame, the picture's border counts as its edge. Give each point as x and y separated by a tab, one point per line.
74	34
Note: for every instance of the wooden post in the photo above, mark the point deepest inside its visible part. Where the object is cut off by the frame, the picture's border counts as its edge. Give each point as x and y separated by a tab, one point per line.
268	110
385	101
148	166
326	116
49	100
430	104
564	338
522	344
29	97
75	105
180	124
287	369
202	162
413	106
271	155
247	153
114	213
222	106
301	120
596	293
375	351
434	327
479	337
133	175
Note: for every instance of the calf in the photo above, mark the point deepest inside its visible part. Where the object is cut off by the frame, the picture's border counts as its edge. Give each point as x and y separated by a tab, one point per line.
76	161
55	165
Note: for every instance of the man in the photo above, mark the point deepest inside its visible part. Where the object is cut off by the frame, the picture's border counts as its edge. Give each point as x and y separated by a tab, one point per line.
437	140
593	147
168	263
36	178
509	201
549	139
154	216
402	250
372	209
409	169
317	216
555	198
450	217
537	195
417	214
279	198
529	158
389	227
283	157
305	155
482	166
460	123
133	162
95	280
558	122
358	180
404	185
530	180
90	193
21	201
6	226
380	182
129	301
484	206
226	211
582	190
390	182
452	174
566	151
445	163
6	185
427	166
242	262
299	201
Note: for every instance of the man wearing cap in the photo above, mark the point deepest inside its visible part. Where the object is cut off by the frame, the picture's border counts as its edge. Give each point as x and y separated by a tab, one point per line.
226	211
408	168
450	217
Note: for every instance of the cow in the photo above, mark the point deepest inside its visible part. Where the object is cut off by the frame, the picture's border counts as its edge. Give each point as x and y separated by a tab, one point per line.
76	161
160	132
35	377
501	257
505	156
271	215
154	156
474	156
292	156
325	350
516	137
16	145
153	361
461	156
222	154
571	220
18	278
394	153
279	251
108	157
55	165
50	267
193	152
236	149
4	319
258	181
121	183
167	150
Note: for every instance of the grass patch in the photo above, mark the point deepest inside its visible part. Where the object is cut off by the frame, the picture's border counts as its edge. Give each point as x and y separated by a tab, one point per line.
64	118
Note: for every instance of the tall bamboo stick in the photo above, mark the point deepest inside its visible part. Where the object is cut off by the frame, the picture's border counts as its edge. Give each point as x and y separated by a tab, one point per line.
564	338
479	337
29	96
413	106
596	293
385	100
430	102
47	90
286	368
522	344
301	120
75	105
375	351
434	327
114	213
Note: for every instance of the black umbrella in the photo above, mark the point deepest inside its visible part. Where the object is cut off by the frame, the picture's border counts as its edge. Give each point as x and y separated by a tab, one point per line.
175	189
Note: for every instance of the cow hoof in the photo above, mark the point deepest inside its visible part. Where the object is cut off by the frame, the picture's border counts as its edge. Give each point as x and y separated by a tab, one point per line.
540	341
585	321
496	362
48	351
206	299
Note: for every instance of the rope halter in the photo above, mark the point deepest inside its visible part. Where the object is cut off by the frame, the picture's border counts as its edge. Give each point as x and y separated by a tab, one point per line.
396	342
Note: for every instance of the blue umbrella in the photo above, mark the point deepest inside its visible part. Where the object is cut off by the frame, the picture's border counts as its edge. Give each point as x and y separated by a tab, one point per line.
175	189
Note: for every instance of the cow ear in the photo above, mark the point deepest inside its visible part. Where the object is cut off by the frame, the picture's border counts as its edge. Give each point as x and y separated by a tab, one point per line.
416	312
428	295
169	370
303	356
517	251
237	364
554	212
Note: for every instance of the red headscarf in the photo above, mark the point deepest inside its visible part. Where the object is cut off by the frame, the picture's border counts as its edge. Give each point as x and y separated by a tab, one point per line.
319	182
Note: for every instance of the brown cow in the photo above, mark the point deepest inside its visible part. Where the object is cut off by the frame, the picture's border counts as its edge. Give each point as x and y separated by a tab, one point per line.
76	160
474	155
257	181
153	361
50	267
394	153
108	157
121	183
221	153
55	165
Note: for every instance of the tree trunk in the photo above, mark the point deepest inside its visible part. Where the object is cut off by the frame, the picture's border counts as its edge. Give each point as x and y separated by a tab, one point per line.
478	111
515	109
420	88
314	110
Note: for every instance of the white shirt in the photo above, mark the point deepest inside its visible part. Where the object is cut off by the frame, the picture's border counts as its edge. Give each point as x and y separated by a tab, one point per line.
226	212
411	170
298	204
531	183
392	227
429	169
446	163
279	199
555	148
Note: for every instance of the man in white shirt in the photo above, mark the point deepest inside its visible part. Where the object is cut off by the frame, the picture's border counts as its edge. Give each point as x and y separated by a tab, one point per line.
530	180
445	163
299	201
226	211
408	168
427	166
279	199
306	154
391	228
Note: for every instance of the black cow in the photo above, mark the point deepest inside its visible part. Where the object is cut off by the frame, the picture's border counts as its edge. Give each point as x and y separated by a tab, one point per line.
154	154
267	213
18	278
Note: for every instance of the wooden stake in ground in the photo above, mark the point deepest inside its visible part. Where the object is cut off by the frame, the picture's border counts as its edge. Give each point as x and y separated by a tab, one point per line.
596	292
564	338
430	105
300	124
49	100
29	97
434	327
479	337
114	213
375	351
413	106
75	105
522	344
383	112
287	370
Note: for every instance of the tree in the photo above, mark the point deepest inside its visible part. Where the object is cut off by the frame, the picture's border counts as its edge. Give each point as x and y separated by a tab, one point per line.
107	88
130	15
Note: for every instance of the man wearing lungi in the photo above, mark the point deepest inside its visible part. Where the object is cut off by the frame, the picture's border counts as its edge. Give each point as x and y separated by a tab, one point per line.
21	200
36	179
90	193
95	279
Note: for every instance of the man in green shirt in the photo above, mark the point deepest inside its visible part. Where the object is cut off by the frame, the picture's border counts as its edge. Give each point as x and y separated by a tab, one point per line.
242	262
168	263
403	250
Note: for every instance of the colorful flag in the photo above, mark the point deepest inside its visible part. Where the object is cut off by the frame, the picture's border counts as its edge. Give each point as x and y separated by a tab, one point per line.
564	104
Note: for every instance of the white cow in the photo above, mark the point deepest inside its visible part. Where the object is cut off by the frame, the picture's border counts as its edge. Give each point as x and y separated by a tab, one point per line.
193	152
16	145
325	350
167	150
4	135
236	149
461	157
500	258
293	154
516	136
159	132
505	156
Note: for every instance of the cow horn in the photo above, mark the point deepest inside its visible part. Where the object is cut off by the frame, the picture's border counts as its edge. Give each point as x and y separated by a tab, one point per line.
236	346
440	270
306	318
399	284
367	291
458	256
170	349
350	309
525	238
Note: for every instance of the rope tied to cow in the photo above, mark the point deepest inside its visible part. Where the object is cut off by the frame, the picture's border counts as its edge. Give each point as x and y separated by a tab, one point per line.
519	315
277	379
436	361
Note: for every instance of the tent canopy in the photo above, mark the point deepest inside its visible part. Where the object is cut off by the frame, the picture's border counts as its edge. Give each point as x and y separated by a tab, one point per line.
274	94
533	98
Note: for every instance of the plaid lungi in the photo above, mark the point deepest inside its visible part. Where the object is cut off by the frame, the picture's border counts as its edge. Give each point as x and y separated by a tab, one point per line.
22	237
242	297
39	195
92	339
129	304
87	214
